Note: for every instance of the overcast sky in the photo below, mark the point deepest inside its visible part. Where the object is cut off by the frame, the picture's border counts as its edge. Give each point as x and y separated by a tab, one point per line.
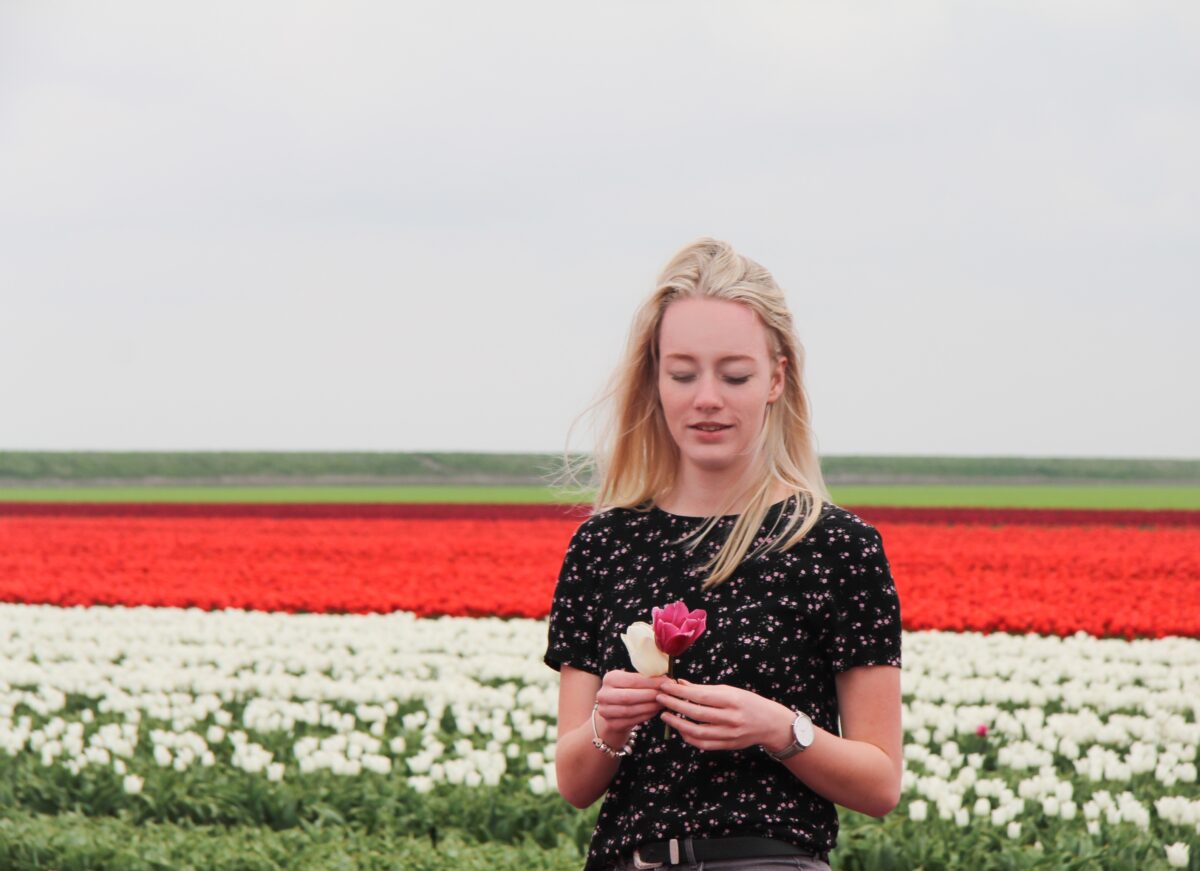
426	226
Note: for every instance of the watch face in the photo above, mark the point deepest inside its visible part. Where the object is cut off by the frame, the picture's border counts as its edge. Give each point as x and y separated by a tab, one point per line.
802	728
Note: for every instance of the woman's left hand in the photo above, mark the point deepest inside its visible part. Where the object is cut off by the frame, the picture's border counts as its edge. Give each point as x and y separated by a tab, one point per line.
721	717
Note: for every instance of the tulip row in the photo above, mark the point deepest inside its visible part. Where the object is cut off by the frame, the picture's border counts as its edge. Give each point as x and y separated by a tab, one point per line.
1125	581
549	511
163	711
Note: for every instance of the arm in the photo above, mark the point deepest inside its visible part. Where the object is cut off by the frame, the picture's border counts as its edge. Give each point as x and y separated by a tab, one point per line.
861	770
583	772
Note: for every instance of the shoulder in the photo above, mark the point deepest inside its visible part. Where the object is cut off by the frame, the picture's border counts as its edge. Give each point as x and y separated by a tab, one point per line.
838	523
844	539
609	522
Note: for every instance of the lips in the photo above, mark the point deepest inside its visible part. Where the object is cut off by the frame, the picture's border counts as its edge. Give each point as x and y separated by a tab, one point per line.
710	427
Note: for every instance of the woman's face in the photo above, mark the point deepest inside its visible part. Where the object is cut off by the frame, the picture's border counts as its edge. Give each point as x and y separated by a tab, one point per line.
714	368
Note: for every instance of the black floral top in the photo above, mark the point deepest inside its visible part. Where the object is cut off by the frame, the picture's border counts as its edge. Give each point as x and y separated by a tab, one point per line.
782	626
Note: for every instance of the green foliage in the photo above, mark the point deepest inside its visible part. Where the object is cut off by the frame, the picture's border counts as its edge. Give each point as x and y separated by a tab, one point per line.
217	465
1020	495
896	843
479	468
1014	496
223	795
73	842
897	470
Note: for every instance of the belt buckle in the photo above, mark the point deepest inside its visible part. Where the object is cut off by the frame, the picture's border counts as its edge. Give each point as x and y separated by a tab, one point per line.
673	846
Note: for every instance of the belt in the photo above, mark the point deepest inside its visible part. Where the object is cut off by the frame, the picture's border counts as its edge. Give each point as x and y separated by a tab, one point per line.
692	850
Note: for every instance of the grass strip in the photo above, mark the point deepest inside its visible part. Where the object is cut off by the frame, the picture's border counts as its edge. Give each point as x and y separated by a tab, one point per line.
74	842
978	496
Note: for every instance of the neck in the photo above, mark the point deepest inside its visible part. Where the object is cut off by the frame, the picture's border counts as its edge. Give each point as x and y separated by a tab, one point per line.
702	492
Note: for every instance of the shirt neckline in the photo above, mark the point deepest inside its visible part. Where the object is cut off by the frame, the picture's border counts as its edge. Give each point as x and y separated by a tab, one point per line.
774	506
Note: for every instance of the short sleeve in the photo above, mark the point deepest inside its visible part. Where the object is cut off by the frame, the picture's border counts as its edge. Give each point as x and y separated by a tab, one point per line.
866	612
574	613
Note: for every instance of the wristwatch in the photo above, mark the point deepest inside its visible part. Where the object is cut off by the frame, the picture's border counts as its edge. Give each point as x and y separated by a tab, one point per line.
802	730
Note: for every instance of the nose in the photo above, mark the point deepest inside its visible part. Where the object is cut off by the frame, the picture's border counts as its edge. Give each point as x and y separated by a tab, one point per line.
707	394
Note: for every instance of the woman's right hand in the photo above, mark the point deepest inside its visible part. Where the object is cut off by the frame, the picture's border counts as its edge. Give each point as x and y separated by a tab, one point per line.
626	698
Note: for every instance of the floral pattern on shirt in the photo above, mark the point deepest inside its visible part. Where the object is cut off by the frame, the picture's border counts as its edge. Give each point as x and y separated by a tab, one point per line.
782	626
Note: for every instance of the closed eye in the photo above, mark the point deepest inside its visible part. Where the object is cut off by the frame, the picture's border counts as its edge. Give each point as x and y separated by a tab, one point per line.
686	378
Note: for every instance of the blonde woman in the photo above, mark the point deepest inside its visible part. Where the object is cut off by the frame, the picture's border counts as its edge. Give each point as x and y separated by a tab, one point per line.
709	491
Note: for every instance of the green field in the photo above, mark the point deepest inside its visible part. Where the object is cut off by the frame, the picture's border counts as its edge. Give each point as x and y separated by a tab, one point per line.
994	495
283	476
217	493
18	468
1021	496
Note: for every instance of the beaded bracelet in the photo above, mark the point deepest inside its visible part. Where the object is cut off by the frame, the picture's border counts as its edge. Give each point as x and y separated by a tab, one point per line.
600	744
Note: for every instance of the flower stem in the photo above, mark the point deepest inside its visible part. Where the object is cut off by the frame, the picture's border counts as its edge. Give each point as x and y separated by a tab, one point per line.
670	674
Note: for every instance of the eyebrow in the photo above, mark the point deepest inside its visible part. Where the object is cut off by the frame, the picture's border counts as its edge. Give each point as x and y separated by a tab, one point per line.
722	360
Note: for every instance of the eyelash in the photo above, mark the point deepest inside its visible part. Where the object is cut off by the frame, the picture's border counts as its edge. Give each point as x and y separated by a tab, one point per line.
686	378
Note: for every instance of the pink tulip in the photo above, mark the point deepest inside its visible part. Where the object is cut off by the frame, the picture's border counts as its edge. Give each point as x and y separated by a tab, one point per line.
981	730
675	628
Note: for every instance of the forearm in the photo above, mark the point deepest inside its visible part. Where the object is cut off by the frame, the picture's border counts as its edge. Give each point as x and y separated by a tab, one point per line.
583	771
855	774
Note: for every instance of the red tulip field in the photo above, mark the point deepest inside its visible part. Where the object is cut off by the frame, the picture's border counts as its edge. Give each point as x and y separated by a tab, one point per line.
1049	573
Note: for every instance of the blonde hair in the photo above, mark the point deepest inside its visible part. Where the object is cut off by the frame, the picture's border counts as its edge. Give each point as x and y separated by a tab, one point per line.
635	460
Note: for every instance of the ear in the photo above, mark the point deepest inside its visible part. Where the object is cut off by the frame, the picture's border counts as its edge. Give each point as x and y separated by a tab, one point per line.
778	379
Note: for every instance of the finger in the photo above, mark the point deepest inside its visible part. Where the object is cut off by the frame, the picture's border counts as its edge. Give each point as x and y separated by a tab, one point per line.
638	713
703	736
616	678
704	695
695	733
629	679
613	696
702	713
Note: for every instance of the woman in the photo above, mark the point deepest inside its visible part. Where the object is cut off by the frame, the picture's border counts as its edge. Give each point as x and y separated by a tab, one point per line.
710	492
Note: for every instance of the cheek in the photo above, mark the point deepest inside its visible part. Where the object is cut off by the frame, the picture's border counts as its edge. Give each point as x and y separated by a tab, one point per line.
672	401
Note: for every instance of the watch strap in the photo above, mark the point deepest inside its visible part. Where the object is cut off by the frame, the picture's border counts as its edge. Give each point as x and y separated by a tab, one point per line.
793	748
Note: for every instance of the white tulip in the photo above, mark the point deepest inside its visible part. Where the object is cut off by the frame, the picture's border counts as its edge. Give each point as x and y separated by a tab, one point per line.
647	659
421	783
1177	855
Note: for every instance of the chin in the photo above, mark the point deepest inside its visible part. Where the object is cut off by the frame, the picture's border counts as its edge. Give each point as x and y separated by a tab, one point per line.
713	462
